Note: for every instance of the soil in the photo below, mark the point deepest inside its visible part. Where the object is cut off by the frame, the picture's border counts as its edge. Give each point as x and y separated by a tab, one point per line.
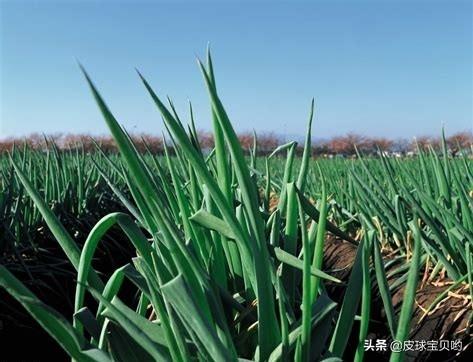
449	321
54	285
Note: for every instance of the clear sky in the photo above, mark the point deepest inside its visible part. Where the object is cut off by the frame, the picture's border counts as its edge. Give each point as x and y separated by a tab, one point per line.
384	68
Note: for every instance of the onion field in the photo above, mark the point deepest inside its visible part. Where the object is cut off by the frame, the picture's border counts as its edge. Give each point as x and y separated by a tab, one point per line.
230	255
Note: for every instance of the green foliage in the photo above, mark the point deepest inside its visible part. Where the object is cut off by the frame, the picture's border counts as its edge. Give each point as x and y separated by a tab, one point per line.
229	258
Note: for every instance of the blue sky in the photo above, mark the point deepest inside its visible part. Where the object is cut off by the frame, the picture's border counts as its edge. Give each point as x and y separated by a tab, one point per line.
384	68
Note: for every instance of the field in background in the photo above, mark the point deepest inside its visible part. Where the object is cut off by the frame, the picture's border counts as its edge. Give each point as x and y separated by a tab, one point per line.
340	145
78	184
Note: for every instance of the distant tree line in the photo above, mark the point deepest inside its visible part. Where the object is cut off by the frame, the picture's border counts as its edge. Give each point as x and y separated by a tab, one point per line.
266	143
345	145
